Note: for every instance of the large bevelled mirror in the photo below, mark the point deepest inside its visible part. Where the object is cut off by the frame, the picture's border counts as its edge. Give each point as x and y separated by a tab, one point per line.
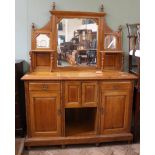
77	42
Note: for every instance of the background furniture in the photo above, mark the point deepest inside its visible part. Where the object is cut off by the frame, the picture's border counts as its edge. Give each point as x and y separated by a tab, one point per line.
134	68
76	105
20	120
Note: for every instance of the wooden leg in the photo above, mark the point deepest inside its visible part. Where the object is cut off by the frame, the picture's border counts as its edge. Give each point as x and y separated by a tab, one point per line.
63	146
27	147
129	141
97	144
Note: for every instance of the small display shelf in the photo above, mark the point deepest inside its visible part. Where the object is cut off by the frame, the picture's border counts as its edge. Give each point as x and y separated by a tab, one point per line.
80	121
42	60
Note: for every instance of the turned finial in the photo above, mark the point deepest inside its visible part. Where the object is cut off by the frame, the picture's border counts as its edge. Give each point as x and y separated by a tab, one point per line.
102	7
53	6
33	26
120	28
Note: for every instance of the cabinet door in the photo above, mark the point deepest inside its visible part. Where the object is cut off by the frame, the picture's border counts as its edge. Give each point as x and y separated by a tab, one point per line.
44	113
89	94
115	111
72	94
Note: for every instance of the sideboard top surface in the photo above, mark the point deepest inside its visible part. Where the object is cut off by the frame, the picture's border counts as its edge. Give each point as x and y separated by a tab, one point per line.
79	75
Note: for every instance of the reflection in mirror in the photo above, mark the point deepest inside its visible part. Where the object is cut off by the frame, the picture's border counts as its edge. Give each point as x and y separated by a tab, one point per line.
77	42
43	41
110	42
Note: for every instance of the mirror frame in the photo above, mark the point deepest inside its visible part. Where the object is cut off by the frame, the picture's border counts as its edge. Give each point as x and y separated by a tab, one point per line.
50	29
57	16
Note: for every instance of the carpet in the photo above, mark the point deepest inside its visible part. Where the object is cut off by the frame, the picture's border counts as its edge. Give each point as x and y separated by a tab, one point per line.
103	149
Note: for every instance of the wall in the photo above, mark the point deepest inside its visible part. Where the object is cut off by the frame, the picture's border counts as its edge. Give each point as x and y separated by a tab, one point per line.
21	26
119	12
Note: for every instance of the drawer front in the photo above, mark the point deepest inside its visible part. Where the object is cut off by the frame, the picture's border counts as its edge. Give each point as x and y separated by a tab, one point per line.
115	85
44	86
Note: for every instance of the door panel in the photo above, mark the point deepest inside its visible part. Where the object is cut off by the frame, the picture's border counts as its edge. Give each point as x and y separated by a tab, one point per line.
89	94
72	94
115	111
44	116
45	107
113	61
110	61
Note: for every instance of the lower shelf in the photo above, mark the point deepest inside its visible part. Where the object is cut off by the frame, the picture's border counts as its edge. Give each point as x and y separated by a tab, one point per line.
80	121
76	129
47	141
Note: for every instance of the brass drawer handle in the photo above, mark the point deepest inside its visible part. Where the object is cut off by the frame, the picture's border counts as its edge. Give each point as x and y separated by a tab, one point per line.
45	87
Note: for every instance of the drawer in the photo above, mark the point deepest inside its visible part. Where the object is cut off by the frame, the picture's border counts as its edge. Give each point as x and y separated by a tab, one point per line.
44	86
116	85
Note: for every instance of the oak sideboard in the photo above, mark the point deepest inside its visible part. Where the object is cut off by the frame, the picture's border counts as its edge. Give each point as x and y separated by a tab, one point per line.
76	91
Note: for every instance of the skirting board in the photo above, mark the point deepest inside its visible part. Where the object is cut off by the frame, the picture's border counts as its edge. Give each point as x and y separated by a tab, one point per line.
77	140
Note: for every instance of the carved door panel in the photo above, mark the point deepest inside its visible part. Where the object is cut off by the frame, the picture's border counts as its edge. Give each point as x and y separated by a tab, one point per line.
45	114
115	112
72	94
89	94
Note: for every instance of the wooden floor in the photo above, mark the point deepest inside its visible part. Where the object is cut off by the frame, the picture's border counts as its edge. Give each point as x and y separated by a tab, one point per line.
103	149
19	146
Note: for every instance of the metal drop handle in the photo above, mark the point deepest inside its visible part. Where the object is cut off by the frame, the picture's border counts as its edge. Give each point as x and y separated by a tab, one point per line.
45	87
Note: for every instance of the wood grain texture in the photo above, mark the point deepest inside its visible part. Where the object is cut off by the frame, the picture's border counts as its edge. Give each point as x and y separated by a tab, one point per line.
79	75
77	140
72	94
50	30
48	116
73	105
44	113
113	61
89	94
115	107
42	59
44	85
